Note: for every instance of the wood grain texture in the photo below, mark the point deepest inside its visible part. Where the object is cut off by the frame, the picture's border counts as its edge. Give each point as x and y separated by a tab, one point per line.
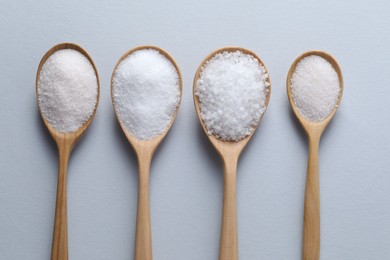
229	152
65	143
314	130
229	238
144	150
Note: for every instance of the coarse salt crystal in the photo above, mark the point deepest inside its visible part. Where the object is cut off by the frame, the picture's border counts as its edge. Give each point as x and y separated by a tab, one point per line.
232	91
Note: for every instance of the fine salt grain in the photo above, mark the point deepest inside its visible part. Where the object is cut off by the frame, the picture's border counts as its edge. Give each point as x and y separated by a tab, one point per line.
67	90
232	91
315	88
146	93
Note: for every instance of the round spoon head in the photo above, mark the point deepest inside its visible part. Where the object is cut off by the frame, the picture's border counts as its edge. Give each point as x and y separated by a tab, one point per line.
57	135
151	143
309	126
220	145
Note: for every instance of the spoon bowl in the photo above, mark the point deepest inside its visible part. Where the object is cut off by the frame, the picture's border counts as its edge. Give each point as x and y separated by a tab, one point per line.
71	137
229	152
144	150
224	148
152	144
314	127
65	143
314	130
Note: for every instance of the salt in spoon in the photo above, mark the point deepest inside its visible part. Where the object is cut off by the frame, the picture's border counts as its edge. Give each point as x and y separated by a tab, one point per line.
65	143
314	130
144	150
229	152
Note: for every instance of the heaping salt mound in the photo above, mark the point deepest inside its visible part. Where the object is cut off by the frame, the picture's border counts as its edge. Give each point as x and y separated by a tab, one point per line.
232	91
146	93
67	90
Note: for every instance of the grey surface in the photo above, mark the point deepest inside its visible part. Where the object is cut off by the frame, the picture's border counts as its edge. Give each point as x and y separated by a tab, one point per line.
186	180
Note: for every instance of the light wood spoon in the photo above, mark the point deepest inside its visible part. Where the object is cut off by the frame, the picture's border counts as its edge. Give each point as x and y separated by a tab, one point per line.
144	150
229	152
65	143
314	130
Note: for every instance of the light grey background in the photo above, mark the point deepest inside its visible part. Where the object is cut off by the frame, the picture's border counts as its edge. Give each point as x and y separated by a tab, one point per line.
186	180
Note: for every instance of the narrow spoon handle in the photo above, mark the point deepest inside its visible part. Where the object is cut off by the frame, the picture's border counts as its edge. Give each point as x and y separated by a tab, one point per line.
311	226
60	234
143	240
229	247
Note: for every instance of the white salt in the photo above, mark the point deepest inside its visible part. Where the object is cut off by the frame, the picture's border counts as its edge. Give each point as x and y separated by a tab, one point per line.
232	91
315	88
146	93
67	90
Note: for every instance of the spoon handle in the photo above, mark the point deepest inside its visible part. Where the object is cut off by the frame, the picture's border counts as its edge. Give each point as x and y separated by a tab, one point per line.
143	240
229	247
60	234
311	226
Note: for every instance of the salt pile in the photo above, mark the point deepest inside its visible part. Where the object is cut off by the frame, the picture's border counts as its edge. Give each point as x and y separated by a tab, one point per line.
232	91
67	90
146	93
315	88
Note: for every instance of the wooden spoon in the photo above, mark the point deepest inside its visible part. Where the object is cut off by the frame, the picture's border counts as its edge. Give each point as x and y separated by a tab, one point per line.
314	130
144	150
65	143
229	152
